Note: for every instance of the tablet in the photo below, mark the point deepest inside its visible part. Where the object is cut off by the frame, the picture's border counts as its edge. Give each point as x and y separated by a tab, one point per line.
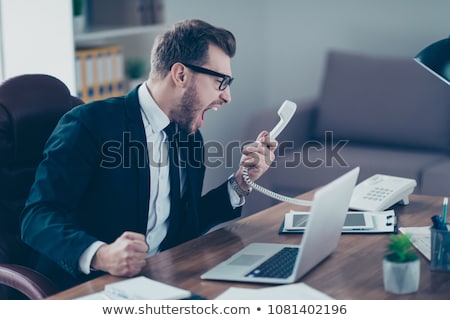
297	220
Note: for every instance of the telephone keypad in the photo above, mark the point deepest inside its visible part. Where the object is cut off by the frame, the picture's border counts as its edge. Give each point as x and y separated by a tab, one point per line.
378	194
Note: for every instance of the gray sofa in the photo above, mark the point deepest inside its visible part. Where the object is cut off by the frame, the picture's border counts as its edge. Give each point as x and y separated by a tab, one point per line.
385	114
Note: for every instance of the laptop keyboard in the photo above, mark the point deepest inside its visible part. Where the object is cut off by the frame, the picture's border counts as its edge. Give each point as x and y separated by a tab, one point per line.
280	265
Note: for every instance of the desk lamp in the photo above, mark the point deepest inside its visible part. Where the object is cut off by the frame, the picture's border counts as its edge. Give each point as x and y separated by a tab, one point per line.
436	59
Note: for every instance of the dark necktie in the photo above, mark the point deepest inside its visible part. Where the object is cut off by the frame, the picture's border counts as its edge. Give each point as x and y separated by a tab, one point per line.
174	170
175	199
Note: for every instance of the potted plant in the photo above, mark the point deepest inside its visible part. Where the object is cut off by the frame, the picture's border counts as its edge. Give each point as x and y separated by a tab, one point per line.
136	70
401	266
78	16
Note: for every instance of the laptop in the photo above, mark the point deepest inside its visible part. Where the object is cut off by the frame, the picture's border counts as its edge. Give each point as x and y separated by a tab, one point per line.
282	263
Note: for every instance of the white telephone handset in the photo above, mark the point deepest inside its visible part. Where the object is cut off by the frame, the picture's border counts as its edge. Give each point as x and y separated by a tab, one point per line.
380	192
285	112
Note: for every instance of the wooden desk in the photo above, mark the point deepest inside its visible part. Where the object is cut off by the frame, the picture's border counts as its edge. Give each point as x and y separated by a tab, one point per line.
353	271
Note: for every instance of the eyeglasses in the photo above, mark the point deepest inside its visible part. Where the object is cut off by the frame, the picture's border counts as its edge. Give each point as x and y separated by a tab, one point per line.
226	80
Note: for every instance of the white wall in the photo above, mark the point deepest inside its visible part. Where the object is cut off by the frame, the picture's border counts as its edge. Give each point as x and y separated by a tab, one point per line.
310	28
282	45
28	39
1	47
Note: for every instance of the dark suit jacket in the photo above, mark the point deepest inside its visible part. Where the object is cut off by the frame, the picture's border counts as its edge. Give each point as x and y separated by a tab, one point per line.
93	184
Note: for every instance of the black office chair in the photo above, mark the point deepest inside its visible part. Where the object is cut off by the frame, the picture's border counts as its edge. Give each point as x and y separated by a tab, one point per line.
30	107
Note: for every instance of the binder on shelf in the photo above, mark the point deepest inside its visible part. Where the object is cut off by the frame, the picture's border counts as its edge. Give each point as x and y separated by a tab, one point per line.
109	73
118	72
99	72
157	11
78	77
90	77
124	13
383	222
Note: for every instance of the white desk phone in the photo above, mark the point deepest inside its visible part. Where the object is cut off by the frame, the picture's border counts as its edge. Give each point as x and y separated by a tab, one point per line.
377	193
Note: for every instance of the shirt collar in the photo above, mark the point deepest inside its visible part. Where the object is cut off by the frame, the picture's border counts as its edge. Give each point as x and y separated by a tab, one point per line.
157	119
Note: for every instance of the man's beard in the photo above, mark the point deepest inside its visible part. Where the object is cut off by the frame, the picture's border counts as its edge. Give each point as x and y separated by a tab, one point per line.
187	110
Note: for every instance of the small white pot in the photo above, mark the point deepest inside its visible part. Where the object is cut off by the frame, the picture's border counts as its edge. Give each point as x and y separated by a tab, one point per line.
79	24
401	278
132	83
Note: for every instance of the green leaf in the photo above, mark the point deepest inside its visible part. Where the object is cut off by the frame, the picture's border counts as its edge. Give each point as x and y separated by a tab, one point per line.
77	6
400	249
136	68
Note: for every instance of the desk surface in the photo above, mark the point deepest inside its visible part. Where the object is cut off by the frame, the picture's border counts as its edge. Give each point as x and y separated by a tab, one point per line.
353	271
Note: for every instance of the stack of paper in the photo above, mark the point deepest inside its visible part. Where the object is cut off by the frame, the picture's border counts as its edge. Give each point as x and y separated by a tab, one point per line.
420	238
296	291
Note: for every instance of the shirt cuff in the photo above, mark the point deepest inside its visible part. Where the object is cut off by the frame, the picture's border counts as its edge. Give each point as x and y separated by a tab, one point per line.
86	258
235	199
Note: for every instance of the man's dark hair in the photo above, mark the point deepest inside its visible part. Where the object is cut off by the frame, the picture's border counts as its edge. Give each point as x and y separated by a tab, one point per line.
188	42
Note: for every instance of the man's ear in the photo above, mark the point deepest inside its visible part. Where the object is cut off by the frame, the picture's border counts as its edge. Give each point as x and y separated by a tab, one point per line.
179	75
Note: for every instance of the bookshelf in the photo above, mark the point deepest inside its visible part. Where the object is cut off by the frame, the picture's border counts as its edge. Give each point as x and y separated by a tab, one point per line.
101	34
132	42
38	37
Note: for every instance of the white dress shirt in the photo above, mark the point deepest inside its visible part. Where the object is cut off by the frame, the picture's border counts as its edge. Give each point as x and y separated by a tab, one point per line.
155	120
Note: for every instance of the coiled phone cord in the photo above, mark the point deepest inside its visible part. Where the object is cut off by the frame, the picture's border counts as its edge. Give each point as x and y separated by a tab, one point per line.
272	194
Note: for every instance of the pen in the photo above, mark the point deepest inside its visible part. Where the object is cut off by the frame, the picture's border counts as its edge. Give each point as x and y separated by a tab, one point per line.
444	211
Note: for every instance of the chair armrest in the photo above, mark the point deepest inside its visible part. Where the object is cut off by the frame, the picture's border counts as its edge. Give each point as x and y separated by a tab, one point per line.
27	281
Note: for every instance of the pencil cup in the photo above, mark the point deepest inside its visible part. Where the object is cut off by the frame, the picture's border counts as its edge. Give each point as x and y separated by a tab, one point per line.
440	250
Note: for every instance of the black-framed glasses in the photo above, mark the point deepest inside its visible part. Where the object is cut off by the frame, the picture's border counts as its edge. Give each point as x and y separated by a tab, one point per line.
226	79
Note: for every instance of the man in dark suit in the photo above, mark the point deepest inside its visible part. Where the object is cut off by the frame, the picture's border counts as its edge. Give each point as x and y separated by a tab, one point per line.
105	198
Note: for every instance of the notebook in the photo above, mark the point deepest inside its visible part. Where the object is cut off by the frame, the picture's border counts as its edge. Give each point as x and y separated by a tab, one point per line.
281	263
143	288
